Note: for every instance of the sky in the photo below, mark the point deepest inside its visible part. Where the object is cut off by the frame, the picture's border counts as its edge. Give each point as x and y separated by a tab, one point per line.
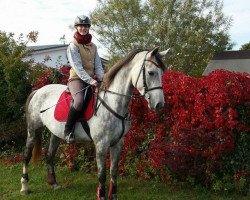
51	18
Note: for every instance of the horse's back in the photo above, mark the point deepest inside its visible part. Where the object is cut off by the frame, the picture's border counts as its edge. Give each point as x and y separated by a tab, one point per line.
44	98
48	94
51	87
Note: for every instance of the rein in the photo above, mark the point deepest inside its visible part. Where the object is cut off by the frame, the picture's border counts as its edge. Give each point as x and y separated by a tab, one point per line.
42	111
133	96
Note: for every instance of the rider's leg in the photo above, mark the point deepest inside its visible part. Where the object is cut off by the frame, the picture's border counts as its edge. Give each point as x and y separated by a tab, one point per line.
75	111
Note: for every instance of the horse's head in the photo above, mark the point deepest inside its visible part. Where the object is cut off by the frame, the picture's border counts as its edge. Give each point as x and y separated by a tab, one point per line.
147	77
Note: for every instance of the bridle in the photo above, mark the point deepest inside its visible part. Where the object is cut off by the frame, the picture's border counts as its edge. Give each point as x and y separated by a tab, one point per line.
143	71
146	90
145	86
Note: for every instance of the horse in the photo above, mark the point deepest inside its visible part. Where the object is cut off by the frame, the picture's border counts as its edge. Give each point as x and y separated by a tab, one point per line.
140	69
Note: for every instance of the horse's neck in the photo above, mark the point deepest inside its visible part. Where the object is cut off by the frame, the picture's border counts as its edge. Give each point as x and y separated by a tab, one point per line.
122	85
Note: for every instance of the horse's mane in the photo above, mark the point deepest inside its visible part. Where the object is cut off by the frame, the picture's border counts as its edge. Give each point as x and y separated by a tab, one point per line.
109	76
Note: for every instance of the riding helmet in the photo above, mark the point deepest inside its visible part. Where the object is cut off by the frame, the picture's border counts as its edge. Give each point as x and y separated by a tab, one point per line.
82	19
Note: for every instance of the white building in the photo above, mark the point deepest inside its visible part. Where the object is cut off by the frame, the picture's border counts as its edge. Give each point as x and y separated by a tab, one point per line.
236	61
51	55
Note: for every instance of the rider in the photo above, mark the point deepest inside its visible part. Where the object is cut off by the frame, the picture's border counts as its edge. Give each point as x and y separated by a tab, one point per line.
85	64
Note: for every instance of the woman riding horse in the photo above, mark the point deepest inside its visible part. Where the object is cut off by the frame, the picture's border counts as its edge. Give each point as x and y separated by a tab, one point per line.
85	63
141	69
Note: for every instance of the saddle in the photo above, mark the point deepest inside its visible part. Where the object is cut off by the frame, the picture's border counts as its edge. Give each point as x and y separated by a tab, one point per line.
66	100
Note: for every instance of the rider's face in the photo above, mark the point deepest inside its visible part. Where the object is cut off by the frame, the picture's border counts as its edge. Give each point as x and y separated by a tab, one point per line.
83	29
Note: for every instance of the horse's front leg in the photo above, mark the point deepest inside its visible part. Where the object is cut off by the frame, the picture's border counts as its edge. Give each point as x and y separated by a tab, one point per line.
53	145
115	152
101	155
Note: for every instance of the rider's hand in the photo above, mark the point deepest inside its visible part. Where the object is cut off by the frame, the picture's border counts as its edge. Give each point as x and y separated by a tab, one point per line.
94	83
95	77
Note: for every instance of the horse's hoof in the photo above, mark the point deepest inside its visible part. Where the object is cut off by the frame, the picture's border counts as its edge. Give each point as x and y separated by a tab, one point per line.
24	192
101	198
101	193
113	197
57	187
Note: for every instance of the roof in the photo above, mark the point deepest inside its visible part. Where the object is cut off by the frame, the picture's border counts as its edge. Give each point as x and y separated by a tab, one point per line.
236	61
225	55
46	47
42	48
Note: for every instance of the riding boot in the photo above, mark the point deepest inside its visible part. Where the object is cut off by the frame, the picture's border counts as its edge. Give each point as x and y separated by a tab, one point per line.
68	131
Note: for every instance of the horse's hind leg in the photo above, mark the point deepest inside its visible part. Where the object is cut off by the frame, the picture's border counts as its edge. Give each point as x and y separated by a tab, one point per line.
53	145
27	154
115	152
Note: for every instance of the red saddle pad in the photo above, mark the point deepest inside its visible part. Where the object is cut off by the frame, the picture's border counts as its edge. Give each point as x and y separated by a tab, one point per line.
63	106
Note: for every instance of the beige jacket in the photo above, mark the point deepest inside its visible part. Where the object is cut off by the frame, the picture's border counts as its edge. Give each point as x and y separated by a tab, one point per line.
84	61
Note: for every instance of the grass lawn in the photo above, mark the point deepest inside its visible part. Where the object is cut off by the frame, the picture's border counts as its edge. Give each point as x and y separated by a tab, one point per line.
79	185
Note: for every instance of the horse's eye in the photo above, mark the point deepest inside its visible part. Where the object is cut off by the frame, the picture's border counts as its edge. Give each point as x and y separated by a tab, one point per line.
151	73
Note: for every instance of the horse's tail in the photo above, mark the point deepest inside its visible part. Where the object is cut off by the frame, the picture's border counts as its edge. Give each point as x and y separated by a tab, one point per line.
37	150
27	106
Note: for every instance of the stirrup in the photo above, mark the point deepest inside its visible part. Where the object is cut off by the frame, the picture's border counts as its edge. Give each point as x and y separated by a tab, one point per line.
70	138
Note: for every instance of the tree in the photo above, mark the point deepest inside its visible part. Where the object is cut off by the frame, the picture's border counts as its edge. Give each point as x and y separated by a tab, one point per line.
245	46
194	29
14	83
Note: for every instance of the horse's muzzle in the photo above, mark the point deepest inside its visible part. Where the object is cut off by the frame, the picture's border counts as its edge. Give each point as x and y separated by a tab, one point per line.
159	106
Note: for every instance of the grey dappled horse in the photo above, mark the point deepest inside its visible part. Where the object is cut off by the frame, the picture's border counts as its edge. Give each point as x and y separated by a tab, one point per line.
141	69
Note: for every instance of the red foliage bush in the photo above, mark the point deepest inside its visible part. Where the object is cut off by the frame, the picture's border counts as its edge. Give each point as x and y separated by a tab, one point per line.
53	75
196	127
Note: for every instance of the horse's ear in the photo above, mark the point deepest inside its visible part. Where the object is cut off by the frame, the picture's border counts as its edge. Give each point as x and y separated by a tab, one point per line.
153	52
163	53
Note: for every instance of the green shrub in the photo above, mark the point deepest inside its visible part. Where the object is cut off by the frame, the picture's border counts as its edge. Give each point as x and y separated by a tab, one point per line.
15	86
